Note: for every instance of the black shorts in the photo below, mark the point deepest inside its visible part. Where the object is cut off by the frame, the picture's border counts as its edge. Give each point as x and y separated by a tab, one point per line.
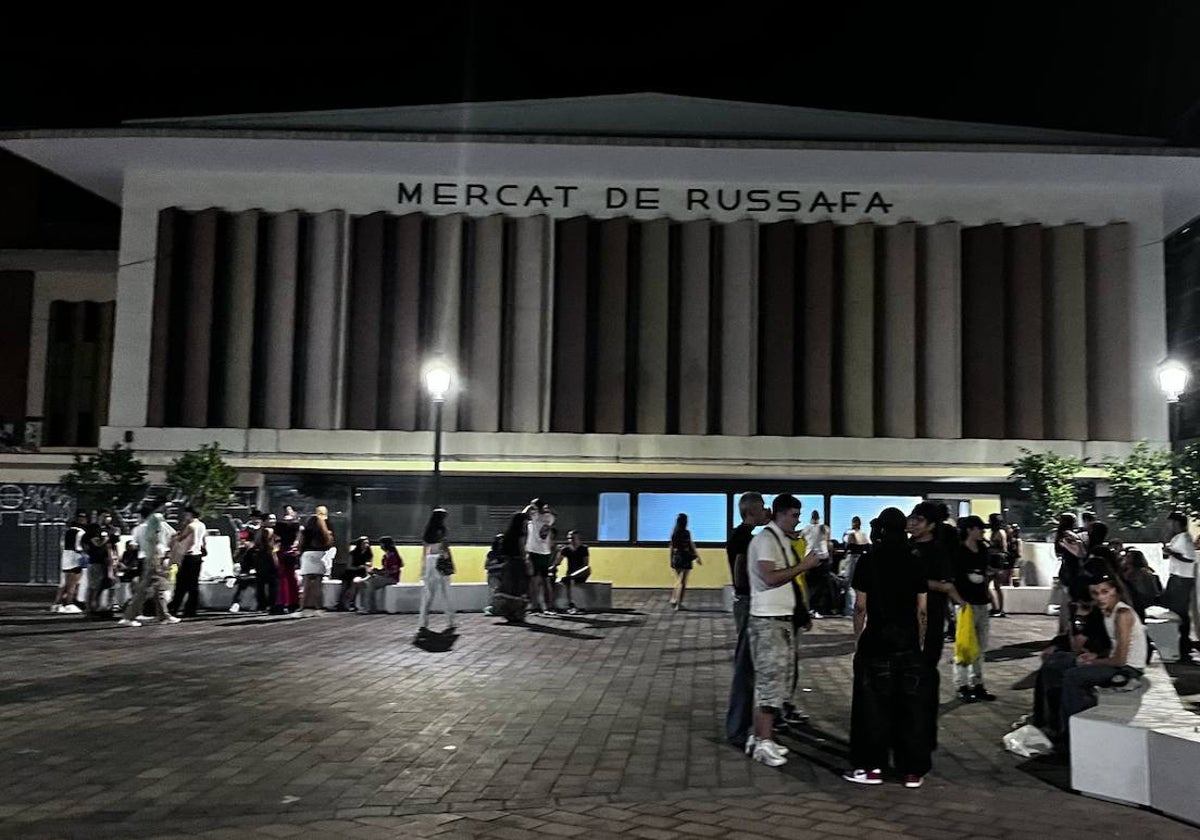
541	565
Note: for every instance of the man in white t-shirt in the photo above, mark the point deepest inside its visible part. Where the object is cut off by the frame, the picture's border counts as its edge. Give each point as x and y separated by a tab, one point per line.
152	538
773	568
1181	585
539	546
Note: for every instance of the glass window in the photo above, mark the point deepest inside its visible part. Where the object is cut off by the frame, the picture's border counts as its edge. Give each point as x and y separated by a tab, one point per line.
843	508
809	502
706	516
614	518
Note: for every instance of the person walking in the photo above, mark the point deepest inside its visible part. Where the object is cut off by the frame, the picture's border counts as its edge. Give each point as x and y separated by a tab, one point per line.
153	538
683	555
887	712
436	570
317	549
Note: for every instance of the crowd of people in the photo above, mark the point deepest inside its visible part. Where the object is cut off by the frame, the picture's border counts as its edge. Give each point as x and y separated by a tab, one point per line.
915	581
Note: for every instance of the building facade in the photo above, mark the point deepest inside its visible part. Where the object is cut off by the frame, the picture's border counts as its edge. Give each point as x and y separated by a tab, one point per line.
639	295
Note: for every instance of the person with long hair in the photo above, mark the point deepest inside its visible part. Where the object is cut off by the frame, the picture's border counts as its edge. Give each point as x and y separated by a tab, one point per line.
683	555
391	565
891	680
515	570
437	567
357	570
316	555
1142	583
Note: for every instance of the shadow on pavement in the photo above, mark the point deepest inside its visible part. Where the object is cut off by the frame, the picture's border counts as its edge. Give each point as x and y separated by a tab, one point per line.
436	642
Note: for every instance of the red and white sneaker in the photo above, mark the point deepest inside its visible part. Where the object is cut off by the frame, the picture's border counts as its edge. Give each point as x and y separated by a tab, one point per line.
911	781
864	777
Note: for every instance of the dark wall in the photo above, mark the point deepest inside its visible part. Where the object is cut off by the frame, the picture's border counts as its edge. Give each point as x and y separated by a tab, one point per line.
38	209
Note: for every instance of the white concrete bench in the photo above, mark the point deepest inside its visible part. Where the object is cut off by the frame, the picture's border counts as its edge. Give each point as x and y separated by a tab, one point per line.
593	595
406	597
216	595
1027	600
1137	747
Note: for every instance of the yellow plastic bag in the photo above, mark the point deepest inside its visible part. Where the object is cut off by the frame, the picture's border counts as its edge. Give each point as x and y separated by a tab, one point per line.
966	643
800	546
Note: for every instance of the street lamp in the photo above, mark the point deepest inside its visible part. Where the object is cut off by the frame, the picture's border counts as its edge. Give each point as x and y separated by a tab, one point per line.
438	380
1173	376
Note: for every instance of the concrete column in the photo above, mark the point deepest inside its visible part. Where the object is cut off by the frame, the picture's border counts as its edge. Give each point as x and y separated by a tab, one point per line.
192	339
777	335
857	332
898	351
572	323
1109	357
238	331
983	323
612	321
160	319
1066	380
818	319
323	301
402	304
364	328
527	308
277	321
480	410
446	308
652	327
739	328
939	413
1024	332
694	312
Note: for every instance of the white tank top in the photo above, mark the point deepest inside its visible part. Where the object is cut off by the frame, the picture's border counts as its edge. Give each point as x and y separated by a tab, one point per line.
1137	640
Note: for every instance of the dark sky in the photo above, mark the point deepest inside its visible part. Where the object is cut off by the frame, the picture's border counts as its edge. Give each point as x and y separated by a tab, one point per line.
1131	68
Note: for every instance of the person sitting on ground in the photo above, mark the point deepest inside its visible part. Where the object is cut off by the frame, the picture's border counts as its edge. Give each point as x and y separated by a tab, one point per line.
578	567
355	574
388	574
1141	581
1127	660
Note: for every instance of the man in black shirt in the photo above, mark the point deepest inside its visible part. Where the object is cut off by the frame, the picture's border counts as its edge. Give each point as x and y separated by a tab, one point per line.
99	539
740	718
888	711
579	568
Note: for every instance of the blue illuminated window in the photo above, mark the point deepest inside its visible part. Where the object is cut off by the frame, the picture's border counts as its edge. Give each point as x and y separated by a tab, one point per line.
706	516
614	517
843	508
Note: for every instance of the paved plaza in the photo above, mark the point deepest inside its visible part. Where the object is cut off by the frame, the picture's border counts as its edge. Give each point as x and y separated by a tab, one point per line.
595	726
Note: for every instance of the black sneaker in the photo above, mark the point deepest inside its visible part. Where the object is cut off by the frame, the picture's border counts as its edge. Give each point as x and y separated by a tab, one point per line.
966	695
981	693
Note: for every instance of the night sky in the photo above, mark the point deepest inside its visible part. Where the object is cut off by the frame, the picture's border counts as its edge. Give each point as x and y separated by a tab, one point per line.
1130	68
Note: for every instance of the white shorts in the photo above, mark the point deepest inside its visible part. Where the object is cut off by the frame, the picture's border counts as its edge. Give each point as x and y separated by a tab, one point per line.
73	561
317	562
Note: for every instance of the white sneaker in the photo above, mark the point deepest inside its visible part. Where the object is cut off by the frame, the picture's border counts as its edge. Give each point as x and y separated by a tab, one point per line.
235	608
170	620
71	608
127	622
767	752
751	742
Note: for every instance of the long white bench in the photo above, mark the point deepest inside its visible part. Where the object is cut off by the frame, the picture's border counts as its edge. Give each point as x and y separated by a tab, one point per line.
1139	748
406	597
593	595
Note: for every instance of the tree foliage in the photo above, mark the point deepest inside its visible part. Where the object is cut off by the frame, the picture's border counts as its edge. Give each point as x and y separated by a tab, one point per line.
1143	485
1050	480
203	478
110	480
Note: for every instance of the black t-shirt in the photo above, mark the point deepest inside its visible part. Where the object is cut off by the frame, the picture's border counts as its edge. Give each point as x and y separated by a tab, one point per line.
576	558
891	578
934	559
739	543
97	553
969	563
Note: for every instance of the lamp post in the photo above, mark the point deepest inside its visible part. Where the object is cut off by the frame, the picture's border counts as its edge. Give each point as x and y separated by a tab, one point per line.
1173	378
438	380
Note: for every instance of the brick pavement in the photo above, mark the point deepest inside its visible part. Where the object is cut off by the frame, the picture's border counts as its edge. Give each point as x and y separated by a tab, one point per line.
600	726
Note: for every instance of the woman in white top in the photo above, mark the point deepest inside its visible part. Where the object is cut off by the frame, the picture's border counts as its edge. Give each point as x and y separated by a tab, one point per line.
1127	660
437	566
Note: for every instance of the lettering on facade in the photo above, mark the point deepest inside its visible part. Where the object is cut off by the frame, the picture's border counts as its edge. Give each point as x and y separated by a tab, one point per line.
473	195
